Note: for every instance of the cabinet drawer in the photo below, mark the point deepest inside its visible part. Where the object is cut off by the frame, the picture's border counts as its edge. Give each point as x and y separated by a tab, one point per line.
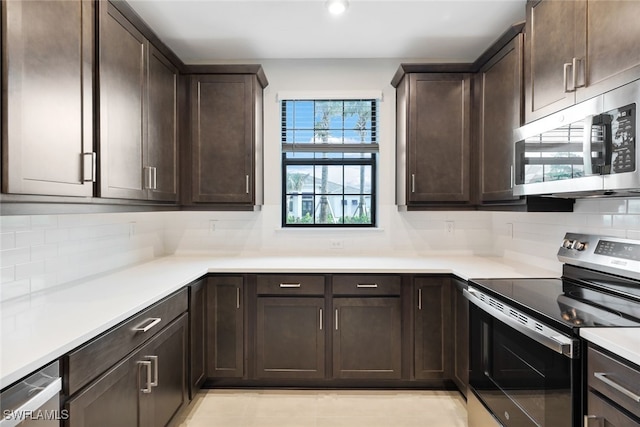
100	354
615	380
606	414
286	284
368	284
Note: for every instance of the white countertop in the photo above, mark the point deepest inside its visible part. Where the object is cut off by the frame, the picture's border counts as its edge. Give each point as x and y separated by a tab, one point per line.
42	327
625	342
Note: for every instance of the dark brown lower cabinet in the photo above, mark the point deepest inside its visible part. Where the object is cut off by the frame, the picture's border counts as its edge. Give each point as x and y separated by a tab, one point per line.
432	328
612	384
197	335
290	338
146	389
460	311
367	338
225	327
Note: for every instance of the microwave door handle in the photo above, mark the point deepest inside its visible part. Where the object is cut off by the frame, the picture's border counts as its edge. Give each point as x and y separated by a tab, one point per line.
587	147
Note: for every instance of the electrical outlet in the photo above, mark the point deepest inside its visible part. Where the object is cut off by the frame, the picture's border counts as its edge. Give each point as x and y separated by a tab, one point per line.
132	229
212	226
509	230
336	244
449	228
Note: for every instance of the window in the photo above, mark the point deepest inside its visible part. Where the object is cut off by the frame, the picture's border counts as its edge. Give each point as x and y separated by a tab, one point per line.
329	150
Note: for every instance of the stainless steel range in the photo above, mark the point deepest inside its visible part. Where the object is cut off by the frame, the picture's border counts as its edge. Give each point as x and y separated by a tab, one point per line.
526	357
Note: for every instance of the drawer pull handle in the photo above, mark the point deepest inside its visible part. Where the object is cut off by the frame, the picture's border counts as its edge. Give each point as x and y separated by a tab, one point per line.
290	285
147	364
154	362
367	285
589	418
602	376
153	322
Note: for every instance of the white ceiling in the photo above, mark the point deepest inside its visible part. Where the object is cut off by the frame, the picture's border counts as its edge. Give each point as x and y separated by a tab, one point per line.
432	30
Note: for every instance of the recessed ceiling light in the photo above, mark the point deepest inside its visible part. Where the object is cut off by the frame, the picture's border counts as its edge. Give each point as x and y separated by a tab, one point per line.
337	7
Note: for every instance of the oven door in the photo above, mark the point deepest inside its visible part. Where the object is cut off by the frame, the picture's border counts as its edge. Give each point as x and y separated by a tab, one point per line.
521	381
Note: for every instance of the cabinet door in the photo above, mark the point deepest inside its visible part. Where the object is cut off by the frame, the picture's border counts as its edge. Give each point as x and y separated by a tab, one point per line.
439	138
222	135
168	354
500	113
162	128
433	328
122	81
460	336
110	401
550	44
367	338
225	327
48	94
290	337
609	42
197	335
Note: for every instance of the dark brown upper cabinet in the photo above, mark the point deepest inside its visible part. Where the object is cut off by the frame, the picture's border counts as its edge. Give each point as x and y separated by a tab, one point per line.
138	113
161	143
499	106
433	140
576	50
225	163
47	81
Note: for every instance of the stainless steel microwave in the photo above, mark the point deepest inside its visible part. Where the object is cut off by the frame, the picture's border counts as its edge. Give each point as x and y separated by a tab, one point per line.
588	149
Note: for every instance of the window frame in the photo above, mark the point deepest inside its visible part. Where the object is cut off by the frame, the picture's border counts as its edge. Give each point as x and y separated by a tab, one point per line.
371	148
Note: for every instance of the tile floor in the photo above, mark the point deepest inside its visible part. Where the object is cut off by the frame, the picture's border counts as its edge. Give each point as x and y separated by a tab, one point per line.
325	408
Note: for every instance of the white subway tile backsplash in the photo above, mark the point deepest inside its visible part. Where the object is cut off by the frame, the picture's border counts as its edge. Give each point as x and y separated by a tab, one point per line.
7	240
14	223
7	274
26	271
39	252
29	238
14	256
633	206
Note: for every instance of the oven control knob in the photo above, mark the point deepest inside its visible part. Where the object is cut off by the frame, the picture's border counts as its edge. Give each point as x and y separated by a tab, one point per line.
579	246
567	244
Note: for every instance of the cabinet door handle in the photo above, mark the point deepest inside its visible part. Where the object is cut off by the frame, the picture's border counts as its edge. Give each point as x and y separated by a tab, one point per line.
419	298
153	322
237	297
154	362
413	182
290	285
336	319
367	285
575	63
147	365
321	319
246	177
566	78
602	376
88	167
588	421
511	176
154	176
147	177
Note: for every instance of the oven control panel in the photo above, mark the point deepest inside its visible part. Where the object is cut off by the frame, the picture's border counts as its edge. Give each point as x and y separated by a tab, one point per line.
610	254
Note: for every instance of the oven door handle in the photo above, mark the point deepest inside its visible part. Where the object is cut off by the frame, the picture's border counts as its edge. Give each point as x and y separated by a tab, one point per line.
557	342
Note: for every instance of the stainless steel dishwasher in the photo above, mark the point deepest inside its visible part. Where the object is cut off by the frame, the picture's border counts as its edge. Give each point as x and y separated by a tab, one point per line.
34	401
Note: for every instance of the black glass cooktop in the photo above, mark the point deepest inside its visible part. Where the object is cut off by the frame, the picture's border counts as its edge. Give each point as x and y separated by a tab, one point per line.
567	305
